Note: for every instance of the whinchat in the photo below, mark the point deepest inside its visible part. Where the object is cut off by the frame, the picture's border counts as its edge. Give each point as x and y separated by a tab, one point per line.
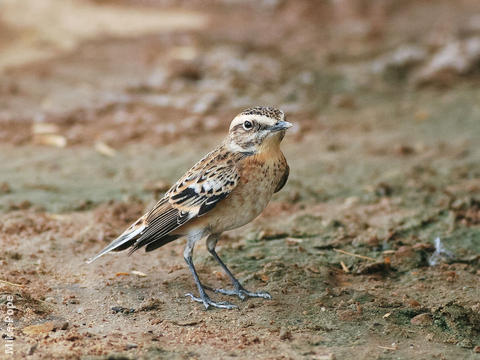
226	189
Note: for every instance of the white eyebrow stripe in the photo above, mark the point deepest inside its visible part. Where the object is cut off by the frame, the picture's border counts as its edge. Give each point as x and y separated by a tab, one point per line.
262	119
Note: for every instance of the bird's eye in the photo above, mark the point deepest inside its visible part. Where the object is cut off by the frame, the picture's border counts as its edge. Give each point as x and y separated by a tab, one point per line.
247	125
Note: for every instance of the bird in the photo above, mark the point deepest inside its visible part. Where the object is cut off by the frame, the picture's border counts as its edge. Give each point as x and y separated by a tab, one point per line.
226	189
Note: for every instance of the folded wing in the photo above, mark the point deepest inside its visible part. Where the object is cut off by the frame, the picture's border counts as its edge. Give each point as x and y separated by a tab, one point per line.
207	183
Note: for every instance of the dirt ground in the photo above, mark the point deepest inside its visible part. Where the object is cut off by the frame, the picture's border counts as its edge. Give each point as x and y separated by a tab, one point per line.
372	249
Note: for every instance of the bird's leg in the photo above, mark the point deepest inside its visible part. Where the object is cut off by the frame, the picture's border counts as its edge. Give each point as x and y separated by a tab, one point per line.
238	289
203	298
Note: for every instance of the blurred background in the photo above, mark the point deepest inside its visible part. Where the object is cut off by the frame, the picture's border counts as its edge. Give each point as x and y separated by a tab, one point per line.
103	104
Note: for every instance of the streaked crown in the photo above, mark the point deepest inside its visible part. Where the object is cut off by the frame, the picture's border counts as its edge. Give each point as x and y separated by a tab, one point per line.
265	115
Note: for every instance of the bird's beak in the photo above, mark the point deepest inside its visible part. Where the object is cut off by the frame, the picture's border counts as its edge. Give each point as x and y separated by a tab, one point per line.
280	125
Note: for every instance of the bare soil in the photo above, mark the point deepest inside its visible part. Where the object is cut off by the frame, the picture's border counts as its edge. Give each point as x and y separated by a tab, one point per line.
103	104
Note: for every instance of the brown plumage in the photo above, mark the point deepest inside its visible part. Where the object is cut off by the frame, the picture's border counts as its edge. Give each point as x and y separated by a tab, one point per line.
226	189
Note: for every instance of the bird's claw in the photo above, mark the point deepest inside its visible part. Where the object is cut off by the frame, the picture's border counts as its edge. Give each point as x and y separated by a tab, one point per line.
243	293
207	302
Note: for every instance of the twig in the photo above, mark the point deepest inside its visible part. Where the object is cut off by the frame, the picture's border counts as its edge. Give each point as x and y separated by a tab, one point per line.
355	255
188	323
344	267
387	347
9	283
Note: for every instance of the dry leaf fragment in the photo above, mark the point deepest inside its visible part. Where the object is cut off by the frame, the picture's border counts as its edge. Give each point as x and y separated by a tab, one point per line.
422	115
58	217
138	273
185	53
264	277
186	323
50	140
413	303
355	255
219	275
104	149
44	128
39	328
4	282
122	274
293	241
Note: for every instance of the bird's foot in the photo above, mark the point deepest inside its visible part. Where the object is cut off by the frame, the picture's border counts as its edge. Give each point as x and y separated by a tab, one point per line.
207	302
242	293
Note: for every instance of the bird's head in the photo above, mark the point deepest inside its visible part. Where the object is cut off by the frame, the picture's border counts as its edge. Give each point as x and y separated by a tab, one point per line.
257	129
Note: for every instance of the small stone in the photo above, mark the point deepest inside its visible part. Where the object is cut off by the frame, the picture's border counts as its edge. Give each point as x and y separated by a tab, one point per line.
150	304
105	149
476	349
413	303
351	201
39	328
32	349
372	268
424	319
5	188
344	101
118	309
399	61
402	149
60	324
423	246
383	189
131	346
455	58
285	334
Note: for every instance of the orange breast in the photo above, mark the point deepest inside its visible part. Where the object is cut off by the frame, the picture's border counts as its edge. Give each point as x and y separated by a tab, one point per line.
258	180
259	177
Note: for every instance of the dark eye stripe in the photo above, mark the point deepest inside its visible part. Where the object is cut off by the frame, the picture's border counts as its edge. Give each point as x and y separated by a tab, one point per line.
236	127
257	125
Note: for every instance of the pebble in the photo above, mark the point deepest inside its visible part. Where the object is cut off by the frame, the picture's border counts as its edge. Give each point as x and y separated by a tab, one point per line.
422	319
32	349
285	334
121	309
64	325
455	58
5	188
